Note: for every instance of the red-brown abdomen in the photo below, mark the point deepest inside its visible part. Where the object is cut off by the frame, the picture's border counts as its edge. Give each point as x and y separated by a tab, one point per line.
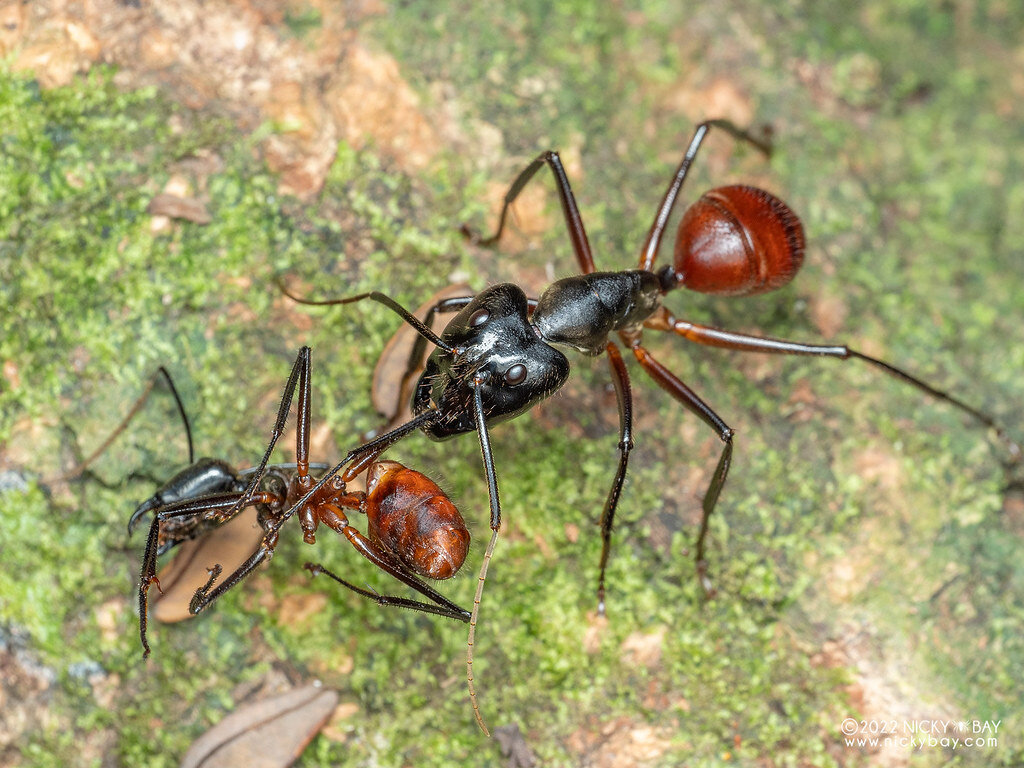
412	517
737	241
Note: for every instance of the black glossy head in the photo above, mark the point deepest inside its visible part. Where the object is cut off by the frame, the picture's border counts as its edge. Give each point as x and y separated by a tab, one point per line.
493	342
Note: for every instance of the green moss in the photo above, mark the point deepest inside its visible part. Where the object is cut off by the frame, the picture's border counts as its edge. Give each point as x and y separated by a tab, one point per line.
903	163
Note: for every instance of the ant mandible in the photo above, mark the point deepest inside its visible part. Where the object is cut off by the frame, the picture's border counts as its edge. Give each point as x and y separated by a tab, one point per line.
414	530
495	360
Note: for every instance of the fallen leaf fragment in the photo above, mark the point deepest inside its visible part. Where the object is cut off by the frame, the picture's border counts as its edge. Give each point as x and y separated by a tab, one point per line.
269	733
386	391
230	545
176	207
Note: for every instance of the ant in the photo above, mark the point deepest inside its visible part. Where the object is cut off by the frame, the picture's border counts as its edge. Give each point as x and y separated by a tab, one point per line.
495	359
414	530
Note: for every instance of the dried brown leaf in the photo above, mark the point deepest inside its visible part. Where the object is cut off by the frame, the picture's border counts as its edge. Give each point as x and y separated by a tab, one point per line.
385	393
269	733
230	545
176	207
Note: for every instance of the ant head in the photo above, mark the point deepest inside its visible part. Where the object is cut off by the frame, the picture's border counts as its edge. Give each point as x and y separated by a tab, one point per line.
494	348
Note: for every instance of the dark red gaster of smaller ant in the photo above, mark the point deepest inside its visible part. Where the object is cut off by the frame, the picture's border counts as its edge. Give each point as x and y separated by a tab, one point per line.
495	359
414	530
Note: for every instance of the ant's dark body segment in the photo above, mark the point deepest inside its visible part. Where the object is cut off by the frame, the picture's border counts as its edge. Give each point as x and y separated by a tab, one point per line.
414	531
495	360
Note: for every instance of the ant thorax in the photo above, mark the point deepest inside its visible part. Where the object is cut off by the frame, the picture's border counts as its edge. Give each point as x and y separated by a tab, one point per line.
581	311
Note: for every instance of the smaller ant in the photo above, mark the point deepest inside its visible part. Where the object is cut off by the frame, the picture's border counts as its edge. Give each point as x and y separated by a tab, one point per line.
414	531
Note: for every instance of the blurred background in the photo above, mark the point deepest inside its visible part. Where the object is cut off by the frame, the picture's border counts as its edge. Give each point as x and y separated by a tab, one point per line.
164	164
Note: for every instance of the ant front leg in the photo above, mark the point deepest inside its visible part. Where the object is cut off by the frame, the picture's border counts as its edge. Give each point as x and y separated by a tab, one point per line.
182	519
418	355
298	378
207	593
492	494
194	506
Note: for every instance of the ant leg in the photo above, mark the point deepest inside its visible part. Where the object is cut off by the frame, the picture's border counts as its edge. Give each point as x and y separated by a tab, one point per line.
216	508
360	457
303	415
186	518
299	377
675	387
308	517
132	412
653	242
492	493
485	452
571	212
333	517
620	378
746	343
455	612
204	596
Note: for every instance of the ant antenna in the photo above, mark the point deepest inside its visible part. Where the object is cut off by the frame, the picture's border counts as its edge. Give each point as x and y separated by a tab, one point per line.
492	493
84	464
380	298
472	631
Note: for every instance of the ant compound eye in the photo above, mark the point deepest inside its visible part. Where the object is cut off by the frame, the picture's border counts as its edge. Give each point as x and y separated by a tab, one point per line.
479	317
516	374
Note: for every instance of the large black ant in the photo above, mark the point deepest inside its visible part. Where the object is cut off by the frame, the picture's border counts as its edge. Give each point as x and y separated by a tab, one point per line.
414	530
495	360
